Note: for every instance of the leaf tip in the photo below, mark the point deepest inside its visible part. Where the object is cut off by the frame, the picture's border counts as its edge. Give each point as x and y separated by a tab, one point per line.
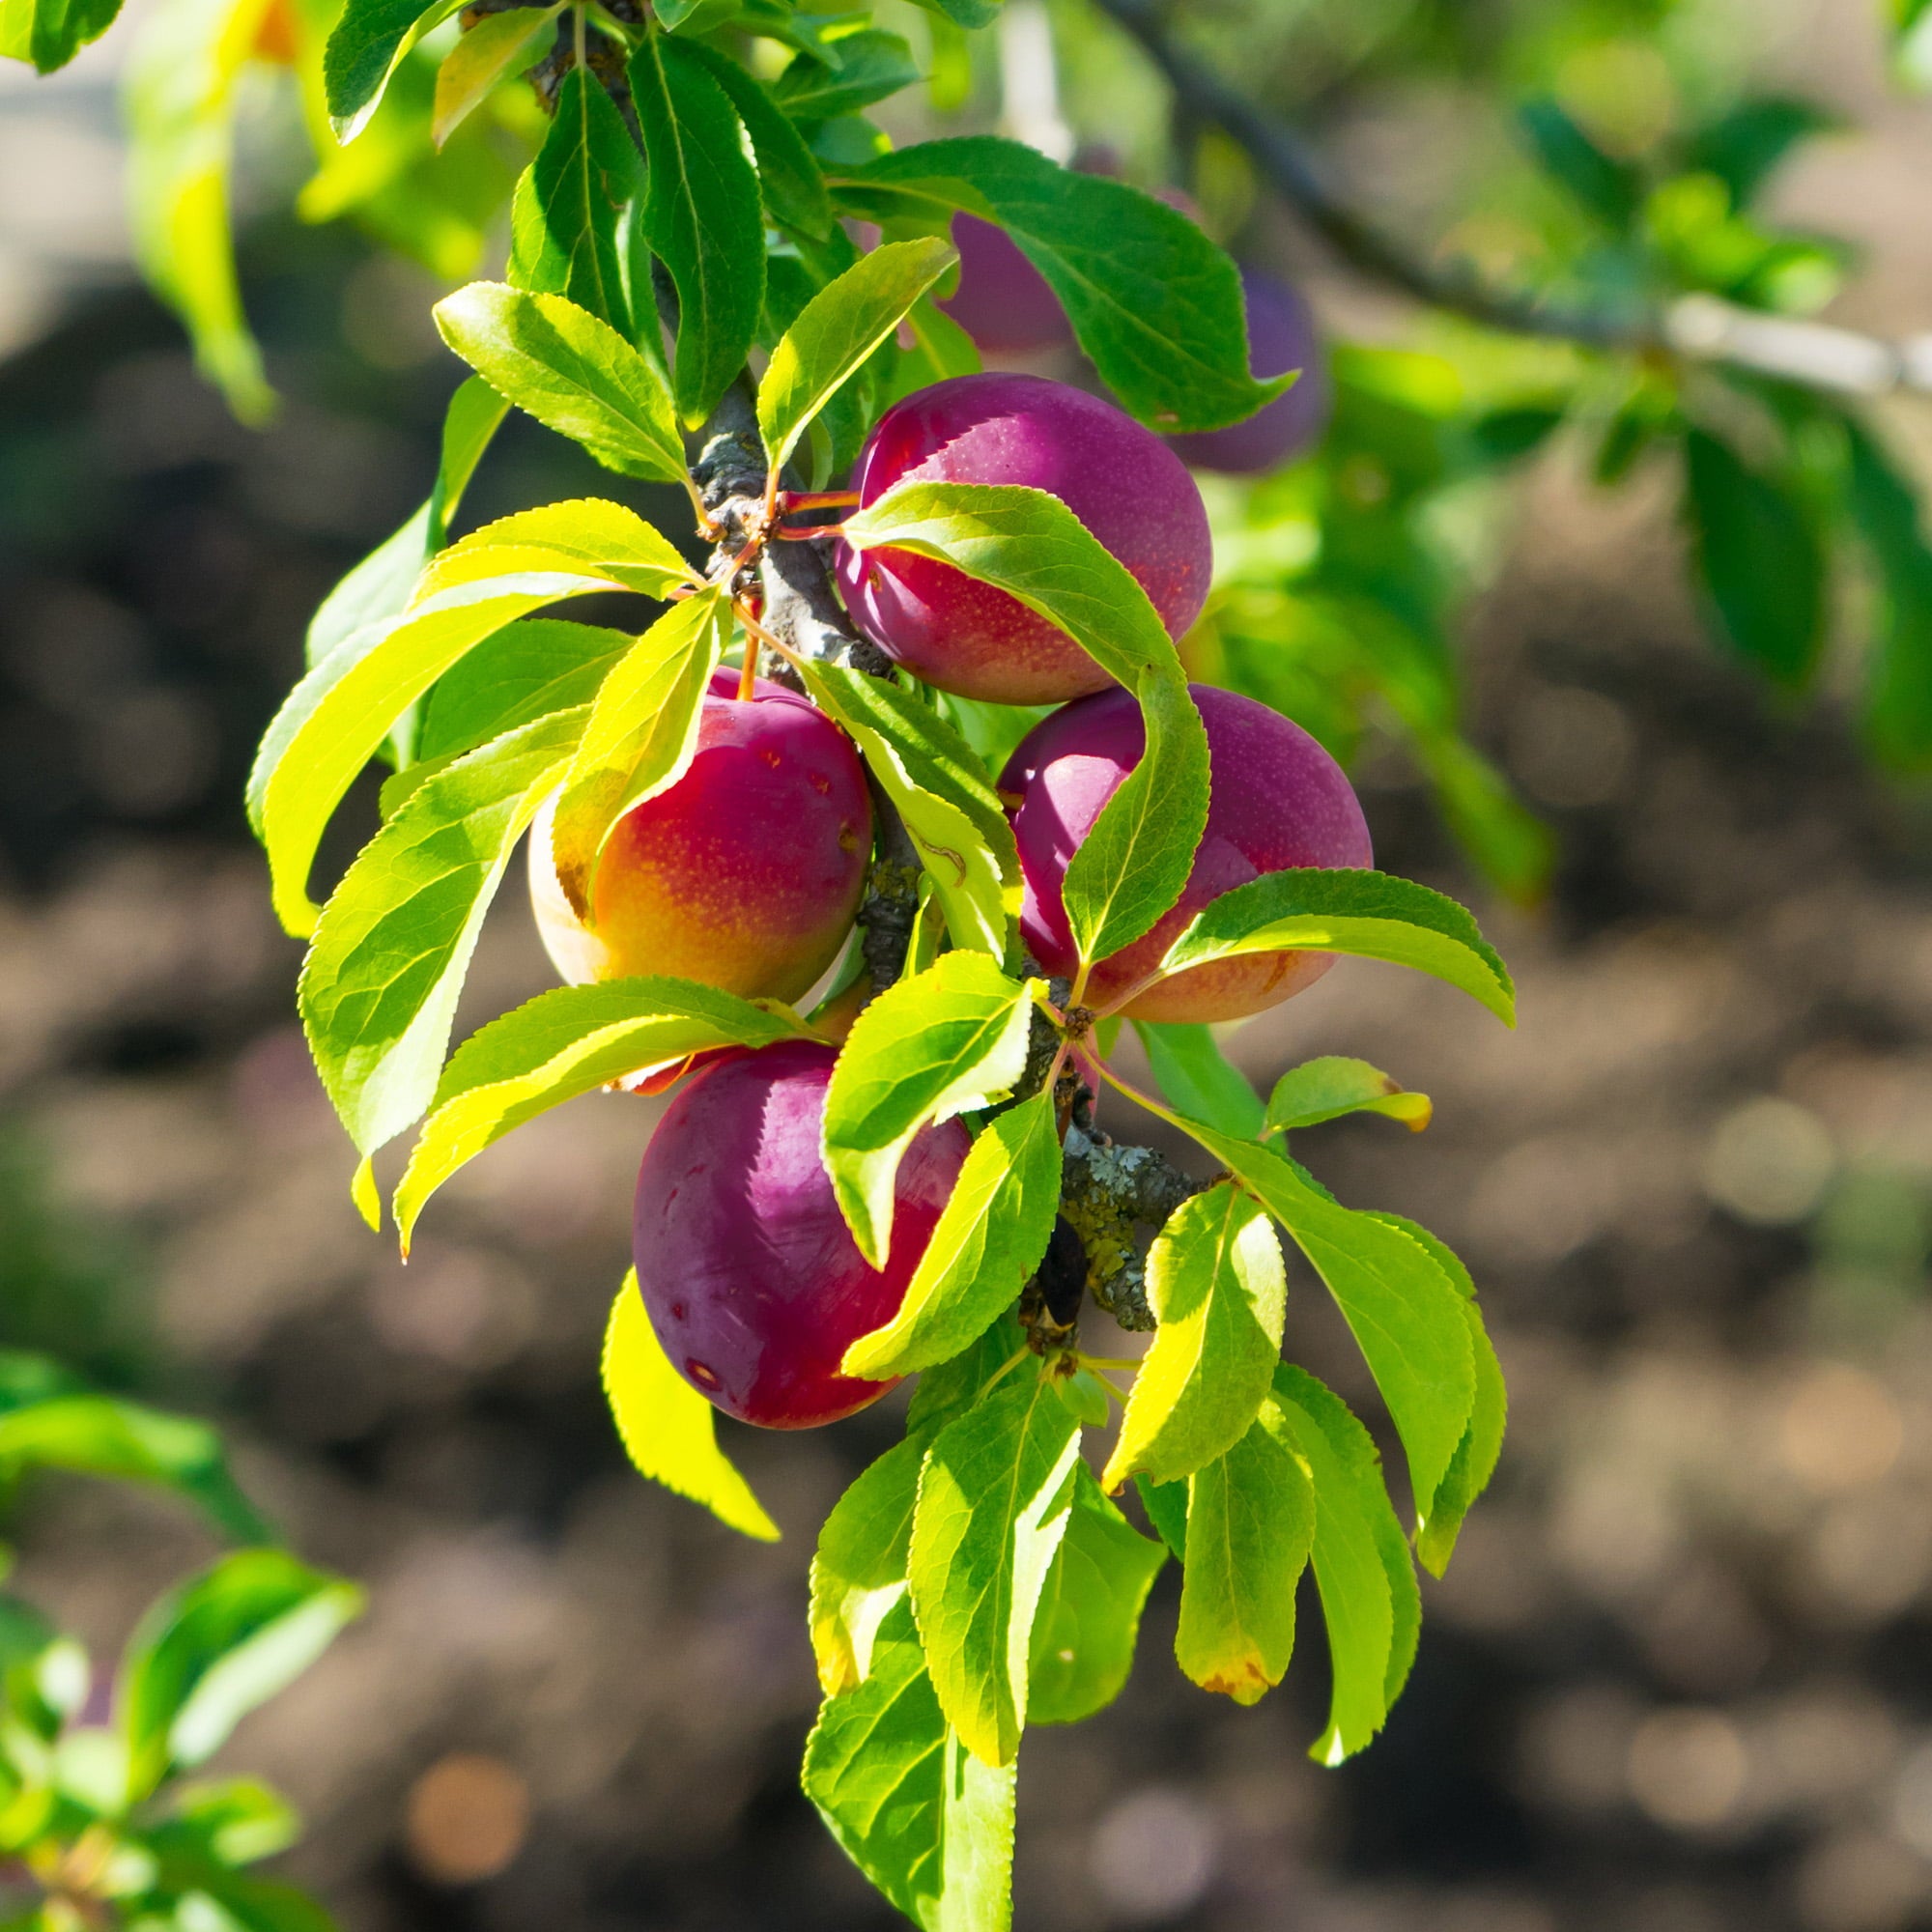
363	1192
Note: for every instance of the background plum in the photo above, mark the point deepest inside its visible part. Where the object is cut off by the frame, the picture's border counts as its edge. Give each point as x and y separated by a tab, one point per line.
744	874
1003	301
1120	480
1277	800
1281	336
753	1284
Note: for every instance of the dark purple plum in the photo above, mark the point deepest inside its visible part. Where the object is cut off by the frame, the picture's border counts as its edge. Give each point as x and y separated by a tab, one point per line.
750	1275
1003	302
1276	799
1120	480
1281	336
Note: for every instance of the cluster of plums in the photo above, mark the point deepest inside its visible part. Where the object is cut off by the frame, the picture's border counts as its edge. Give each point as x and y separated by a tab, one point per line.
748	873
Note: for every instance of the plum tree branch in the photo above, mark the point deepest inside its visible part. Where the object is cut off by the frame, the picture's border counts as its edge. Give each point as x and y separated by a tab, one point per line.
1693	327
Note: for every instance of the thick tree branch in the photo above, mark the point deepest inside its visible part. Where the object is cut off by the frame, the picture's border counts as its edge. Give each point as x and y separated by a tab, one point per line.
1698	329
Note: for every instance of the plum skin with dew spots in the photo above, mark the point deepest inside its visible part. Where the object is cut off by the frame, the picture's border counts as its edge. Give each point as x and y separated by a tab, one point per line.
1120	480
744	875
1276	799
750	1277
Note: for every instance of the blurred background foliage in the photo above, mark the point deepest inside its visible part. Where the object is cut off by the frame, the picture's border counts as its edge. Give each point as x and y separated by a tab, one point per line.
1679	1678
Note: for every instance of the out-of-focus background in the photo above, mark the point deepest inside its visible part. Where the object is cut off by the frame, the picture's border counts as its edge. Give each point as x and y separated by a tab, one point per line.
1680	1676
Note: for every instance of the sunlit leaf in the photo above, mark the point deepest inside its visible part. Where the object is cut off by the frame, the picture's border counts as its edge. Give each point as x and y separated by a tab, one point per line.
1326	1089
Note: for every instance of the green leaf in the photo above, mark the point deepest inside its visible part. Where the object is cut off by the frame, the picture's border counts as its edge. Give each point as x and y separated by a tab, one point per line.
702	217
1477	1454
837	331
1194	1075
567	227
667	1429
1251	1514
334	719
1760	558
184	74
1166	1506
872	65
496	47
102	1435
964	12
1899	699
1612	190
1369	1599
994	1499
984	1247
379	989
788	173
379	587
1218	1289
563	1043
923	1819
1369	915
573	373
49	33
1089	1611
1404	1310
1747	144
224	1902
949	1390
858	1570
232	1821
528	671
210	1651
939	788
641	737
1137	857
1326	1089
1154	304
952	1039
365	48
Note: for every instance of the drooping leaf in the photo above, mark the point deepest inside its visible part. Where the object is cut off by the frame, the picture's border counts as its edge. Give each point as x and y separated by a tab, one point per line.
940	791
369	41
1369	1598
702	215
1197	1078
927	1048
923	1819
67	1428
528	671
568	236
1251	1514
1760	558
994	1499
870	66
837	331
210	1651
49	33
1612	189
1898	694
1218	1289
380	986
1154	304
858	1570
1405	1312
334	719
985	1245
641	737
183	73
1326	1089
667	1429
573	373
788	173
1369	915
1089	1611
232	1821
1137	857
496	47
563	1043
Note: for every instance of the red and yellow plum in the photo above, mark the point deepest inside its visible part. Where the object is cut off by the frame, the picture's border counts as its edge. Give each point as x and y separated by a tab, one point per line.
1276	799
744	874
751	1280
1120	480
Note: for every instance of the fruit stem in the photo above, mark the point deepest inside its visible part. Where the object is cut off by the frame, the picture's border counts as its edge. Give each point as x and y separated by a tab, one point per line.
818	499
747	676
1005	1370
1132	993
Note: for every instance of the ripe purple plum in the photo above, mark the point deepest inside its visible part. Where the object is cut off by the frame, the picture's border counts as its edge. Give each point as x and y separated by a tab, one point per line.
1003	302
751	1280
1276	799
744	874
1281	336
1120	480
